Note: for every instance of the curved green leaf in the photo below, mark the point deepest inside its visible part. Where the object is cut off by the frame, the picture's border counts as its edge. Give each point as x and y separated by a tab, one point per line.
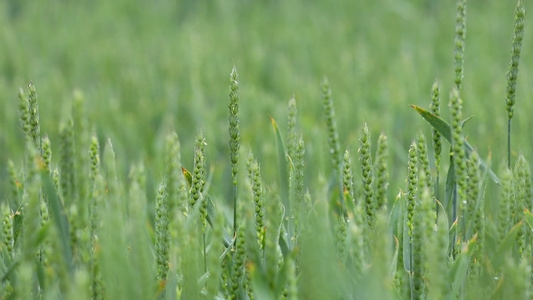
446	131
506	244
529	218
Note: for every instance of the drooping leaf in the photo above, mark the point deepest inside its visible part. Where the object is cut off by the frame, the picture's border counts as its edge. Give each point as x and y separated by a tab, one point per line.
446	131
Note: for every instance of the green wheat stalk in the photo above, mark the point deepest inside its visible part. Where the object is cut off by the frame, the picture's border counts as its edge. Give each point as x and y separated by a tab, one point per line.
512	74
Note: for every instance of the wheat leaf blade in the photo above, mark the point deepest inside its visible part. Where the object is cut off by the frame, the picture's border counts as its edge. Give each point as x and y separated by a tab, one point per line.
445	129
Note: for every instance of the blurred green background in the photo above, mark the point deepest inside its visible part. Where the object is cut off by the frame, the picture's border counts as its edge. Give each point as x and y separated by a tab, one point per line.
147	66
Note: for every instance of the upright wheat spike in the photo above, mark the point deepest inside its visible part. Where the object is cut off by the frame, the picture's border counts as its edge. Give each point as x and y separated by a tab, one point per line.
333	135
299	165
365	157
512	74
234	138
35	127
292	141
459	156
412	181
347	176
162	235
423	222
257	196
381	171
437	141
460	33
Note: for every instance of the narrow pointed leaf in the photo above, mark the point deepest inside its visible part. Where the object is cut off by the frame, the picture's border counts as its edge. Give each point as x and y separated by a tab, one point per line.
529	218
394	262
396	217
460	267
451	235
463	123
442	210
283	179
59	217
406	246
446	131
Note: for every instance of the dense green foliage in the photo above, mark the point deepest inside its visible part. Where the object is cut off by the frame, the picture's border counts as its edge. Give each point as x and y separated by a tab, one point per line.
120	174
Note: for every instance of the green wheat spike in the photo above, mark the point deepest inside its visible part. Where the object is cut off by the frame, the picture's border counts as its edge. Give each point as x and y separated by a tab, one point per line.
437	139
423	224
365	158
8	237
505	203
67	163
423	160
519	201
162	233
14	183
257	196
47	153
476	215
512	74
459	156
35	126
299	166
292	141
24	113
381	172
333	135
460	33
412	184
234	137
238	264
